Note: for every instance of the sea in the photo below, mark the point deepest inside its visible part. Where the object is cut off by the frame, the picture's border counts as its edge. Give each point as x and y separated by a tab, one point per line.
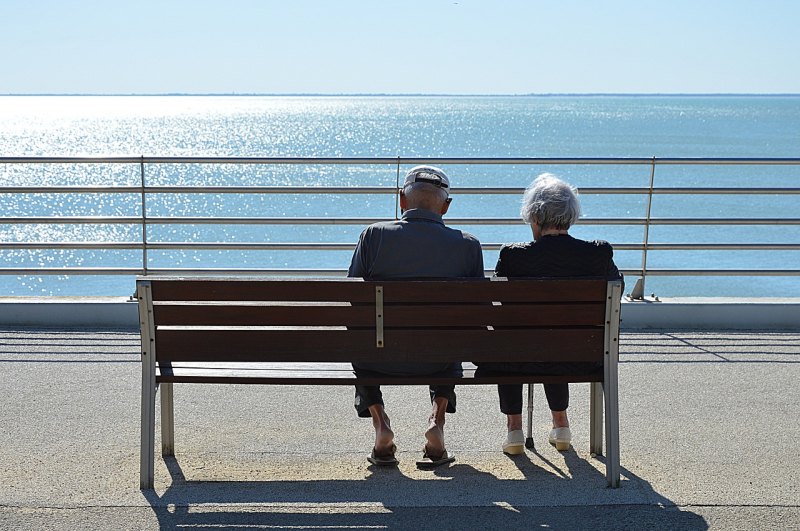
554	126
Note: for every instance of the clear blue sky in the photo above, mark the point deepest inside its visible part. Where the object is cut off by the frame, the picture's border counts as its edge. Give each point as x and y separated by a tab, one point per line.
409	46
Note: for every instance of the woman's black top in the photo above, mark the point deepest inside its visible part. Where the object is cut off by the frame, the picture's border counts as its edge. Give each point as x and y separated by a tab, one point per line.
557	256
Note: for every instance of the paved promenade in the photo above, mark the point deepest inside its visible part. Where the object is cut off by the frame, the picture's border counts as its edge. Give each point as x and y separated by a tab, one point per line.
710	438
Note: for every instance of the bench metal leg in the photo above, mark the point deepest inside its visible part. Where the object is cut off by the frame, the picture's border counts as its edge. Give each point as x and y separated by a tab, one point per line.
148	427
529	440
167	420
612	428
611	382
596	418
148	421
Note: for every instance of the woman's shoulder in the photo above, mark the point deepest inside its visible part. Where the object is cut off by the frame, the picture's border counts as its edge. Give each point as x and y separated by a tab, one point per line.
515	248
598	245
603	247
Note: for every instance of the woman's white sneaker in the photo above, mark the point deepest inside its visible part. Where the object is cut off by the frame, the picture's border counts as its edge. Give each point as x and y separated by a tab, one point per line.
515	443
560	438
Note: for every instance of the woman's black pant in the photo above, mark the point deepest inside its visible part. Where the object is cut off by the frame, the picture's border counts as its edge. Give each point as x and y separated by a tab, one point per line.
511	397
557	394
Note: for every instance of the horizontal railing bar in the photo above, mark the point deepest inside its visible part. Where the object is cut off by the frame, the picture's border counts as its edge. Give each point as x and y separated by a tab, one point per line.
641	191
70	220
71	271
704	191
71	189
342	272
205	220
129	159
74	245
320	160
722	272
178	246
318	246
169	271
710	221
372	190
199	190
708	247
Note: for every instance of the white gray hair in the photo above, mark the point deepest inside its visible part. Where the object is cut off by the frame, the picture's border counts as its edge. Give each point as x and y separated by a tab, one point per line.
551	202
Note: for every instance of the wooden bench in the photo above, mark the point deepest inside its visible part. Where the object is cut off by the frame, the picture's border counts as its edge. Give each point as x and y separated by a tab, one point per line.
307	331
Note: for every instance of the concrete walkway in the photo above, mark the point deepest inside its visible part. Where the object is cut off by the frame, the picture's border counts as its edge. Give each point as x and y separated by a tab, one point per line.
709	438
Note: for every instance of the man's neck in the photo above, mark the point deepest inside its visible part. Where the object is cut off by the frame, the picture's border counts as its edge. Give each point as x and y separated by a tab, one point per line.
422	210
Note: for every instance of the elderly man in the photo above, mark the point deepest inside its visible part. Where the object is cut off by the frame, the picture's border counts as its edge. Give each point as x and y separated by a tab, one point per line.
418	245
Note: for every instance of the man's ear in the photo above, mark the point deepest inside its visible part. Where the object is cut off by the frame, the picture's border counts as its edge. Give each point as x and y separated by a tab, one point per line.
402	200
446	205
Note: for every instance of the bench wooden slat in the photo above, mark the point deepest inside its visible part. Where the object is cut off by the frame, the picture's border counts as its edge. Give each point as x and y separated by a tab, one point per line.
514	314
297	366
412	380
551	290
345	314
227	289
340	374
199	314
355	290
434	345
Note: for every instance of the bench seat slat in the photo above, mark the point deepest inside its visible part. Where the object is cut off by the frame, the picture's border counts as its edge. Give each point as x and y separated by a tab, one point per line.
434	345
345	314
339	374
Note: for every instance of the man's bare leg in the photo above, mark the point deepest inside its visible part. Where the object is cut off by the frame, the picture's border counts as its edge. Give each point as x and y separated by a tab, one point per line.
384	436
434	435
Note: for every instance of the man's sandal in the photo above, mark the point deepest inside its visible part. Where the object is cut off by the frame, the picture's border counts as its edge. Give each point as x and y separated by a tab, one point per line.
384	460
427	462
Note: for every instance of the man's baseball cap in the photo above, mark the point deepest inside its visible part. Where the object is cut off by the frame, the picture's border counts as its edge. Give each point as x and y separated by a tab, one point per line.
428	174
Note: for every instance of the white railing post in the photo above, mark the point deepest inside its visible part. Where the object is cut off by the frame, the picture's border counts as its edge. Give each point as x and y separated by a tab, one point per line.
144	217
637	293
397	191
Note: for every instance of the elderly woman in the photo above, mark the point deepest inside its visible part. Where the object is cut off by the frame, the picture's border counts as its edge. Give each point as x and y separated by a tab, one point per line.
551	207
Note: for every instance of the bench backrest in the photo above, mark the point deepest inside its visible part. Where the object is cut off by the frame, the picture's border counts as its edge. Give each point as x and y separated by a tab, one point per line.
336	320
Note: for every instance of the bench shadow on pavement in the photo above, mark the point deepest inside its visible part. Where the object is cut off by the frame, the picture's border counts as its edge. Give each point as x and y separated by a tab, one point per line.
570	496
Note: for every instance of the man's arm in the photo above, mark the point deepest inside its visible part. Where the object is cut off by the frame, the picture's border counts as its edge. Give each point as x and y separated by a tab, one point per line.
478	261
358	264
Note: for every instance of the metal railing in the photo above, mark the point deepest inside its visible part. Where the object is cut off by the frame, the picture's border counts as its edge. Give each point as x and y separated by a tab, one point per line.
145	191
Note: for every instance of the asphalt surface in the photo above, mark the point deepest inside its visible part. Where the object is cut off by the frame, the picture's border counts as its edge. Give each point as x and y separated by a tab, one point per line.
709	439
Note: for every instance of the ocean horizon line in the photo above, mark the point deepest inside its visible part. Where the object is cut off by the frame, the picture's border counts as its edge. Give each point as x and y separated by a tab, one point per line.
415	94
